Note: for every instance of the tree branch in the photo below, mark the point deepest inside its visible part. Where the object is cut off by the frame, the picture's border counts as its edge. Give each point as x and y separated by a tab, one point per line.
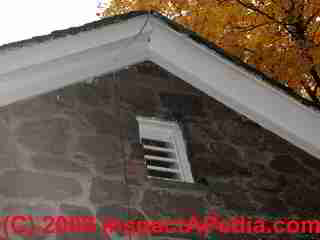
254	8
316	78
312	17
249	28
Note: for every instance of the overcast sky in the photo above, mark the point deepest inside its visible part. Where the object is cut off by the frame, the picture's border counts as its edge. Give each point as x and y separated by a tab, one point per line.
21	19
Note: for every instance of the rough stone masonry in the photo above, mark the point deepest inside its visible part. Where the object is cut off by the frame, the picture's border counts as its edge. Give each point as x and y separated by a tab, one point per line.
76	151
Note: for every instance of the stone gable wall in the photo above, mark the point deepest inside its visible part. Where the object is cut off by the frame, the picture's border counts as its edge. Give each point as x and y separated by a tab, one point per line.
76	151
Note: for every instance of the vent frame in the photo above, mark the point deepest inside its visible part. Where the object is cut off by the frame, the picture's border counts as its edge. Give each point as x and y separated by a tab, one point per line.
157	133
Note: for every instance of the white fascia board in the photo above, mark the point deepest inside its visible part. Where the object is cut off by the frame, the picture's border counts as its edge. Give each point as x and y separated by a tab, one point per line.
57	73
234	87
37	53
43	67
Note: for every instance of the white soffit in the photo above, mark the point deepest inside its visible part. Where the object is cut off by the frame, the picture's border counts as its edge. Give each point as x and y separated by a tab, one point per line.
41	67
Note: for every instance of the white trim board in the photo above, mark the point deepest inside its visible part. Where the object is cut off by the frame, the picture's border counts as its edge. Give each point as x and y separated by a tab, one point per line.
42	67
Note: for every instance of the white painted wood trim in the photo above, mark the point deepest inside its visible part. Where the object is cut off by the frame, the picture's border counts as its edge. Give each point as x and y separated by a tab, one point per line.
37	53
167	131
42	67
236	88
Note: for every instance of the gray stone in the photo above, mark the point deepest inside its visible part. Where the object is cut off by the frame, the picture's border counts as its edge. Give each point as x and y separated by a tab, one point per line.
198	135
182	105
27	184
97	93
136	151
57	163
266	181
152	81
218	111
106	191
242	133
224	152
143	100
28	209
118	212
311	161
74	210
252	154
8	151
105	152
276	144
287	164
98	235
37	107
50	136
238	201
178	85
223	160
130	127
218	186
302	200
136	171
104	123
159	204
270	203
35	223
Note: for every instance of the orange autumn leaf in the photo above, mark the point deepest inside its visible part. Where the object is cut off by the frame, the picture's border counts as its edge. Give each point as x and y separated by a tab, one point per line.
280	38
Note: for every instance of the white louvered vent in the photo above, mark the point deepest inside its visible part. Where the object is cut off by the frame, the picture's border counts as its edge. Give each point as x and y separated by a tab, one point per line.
164	150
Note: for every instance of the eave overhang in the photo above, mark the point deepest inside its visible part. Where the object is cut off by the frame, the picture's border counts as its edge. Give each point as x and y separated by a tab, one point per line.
38	68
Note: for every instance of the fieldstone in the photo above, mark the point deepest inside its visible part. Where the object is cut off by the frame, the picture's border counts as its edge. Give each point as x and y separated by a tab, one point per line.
267	182
104	151
310	161
136	172
104	123
218	187
182	104
276	144
287	164
136	151
98	235
238	201
74	210
198	135
151	81
233	196
36	223
252	154
178	85
159	204
57	163
242	133
40	106
28	209
270	203
97	93
8	151
302	200
130	127
105	191
142	99
37	211
50	136
209	166
218	111
222	160
27	184
224	152
118	212
197	149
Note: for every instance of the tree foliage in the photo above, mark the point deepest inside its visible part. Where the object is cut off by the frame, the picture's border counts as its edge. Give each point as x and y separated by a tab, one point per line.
279	37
